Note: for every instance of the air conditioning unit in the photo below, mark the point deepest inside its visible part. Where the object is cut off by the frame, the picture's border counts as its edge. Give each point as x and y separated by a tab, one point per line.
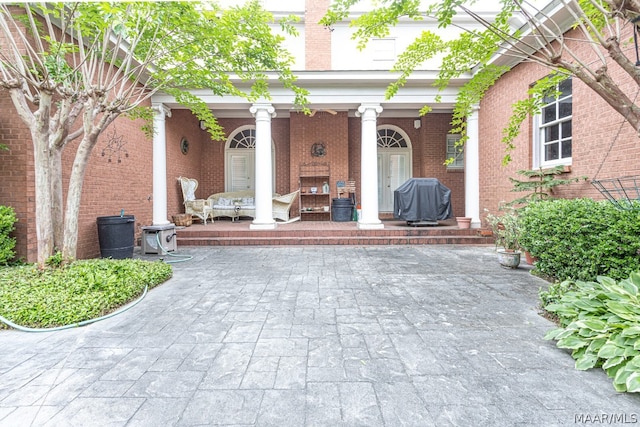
159	239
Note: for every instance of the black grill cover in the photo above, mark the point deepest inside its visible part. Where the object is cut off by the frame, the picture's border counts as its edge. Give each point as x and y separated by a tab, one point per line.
422	199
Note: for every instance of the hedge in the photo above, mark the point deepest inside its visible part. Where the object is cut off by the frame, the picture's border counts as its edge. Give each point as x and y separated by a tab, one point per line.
7	225
581	239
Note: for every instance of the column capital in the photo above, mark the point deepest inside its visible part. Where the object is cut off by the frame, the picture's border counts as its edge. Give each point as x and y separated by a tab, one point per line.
260	106
160	109
369	110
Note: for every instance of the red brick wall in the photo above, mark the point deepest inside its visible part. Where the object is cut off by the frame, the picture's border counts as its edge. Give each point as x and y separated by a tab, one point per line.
317	39
183	124
17	172
110	186
323	127
17	177
603	145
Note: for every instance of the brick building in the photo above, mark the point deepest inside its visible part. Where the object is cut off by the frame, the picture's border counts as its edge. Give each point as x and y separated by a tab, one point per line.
350	119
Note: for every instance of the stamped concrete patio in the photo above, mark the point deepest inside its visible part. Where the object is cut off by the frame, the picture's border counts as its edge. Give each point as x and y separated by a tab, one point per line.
313	336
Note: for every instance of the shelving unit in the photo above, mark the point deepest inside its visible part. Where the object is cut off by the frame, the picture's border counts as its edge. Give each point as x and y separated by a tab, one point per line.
315	206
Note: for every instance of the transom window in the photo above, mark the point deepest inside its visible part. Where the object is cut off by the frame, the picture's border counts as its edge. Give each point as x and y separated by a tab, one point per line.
554	127
244	139
389	138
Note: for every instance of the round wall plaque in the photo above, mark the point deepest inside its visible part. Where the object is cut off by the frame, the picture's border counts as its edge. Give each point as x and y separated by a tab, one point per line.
184	146
318	150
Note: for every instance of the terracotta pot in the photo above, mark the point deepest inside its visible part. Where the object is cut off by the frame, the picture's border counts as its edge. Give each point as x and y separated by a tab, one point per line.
530	259
463	221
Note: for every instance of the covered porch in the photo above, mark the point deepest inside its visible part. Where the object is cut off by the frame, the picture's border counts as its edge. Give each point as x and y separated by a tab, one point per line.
374	142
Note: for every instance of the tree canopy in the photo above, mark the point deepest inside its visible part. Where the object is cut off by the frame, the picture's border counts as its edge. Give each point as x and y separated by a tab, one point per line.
72	68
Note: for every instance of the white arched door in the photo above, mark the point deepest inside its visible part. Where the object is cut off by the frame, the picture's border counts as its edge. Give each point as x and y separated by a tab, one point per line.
394	164
240	160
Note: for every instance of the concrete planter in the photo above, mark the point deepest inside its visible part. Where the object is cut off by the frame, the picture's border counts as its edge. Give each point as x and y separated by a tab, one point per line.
509	258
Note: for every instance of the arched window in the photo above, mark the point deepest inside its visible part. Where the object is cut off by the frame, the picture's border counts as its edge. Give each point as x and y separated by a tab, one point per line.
245	138
391	138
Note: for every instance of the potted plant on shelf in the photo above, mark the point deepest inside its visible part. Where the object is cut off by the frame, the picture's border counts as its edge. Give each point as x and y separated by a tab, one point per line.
506	231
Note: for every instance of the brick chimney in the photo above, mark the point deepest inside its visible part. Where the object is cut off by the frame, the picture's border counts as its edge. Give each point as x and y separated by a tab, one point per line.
317	38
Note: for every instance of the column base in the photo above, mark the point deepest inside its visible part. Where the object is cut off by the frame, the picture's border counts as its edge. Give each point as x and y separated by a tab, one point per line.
263	226
162	223
370	226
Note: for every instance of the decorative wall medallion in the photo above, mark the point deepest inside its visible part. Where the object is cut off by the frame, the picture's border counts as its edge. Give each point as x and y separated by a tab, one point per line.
184	146
115	146
318	150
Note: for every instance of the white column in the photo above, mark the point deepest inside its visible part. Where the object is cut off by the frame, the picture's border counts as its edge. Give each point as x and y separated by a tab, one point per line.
472	170
160	164
369	167
264	188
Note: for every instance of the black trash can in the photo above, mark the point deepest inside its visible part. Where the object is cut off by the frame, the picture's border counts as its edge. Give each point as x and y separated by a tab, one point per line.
116	236
342	210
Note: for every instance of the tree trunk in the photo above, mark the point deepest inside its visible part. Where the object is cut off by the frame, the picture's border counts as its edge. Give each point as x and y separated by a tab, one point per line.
74	193
43	158
57	208
43	202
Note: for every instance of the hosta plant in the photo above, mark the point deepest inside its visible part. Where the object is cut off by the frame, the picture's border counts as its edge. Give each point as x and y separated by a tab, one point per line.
600	324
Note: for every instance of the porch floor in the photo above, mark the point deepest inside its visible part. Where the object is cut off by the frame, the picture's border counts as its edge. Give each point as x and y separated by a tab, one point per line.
224	232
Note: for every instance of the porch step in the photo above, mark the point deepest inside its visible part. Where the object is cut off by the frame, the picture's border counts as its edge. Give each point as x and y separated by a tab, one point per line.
209	236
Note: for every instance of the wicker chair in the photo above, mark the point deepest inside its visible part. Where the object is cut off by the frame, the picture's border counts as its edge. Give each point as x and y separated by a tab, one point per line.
196	207
282	205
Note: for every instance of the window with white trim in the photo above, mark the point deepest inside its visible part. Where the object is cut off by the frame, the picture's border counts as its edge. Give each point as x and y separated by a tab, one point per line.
553	128
455	152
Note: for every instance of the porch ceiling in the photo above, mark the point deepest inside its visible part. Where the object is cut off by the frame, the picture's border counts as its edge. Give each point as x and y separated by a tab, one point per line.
339	91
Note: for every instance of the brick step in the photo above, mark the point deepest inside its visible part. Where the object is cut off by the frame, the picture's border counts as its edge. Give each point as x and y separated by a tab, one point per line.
327	233
278	233
293	241
332	240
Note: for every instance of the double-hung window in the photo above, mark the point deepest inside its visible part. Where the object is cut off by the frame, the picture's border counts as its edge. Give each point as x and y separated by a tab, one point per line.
552	138
454	152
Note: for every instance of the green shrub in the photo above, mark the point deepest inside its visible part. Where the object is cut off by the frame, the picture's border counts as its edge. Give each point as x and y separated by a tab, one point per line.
600	324
7	225
581	239
76	292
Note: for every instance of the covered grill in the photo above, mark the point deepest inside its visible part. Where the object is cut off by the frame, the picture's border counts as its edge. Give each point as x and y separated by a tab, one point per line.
422	201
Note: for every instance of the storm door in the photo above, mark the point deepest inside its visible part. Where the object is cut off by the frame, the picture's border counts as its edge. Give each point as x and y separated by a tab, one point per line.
394	164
